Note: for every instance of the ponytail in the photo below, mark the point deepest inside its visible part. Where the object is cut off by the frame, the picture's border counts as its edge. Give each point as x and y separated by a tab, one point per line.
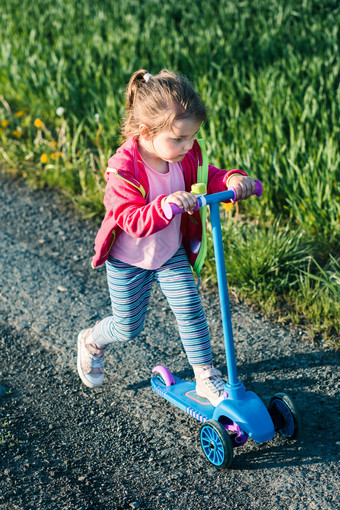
131	91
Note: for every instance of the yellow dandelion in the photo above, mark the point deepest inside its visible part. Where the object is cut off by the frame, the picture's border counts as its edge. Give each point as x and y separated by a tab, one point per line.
24	174
17	133
44	158
19	114
4	123
53	143
38	123
55	155
228	206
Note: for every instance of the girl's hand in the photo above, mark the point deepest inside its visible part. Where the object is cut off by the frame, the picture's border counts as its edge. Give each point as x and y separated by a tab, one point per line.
183	199
243	185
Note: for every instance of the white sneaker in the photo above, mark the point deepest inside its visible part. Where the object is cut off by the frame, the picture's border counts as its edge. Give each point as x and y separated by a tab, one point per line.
90	362
209	384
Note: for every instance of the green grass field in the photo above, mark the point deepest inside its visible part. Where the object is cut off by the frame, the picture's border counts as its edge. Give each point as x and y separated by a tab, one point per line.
269	73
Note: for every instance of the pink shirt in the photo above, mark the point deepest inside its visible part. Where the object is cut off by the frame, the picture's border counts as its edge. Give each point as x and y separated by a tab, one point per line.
153	251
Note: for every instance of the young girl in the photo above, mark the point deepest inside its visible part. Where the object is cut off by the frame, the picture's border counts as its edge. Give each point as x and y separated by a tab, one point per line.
158	162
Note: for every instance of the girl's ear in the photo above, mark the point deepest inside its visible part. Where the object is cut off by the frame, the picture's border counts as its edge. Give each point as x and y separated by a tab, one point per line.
144	131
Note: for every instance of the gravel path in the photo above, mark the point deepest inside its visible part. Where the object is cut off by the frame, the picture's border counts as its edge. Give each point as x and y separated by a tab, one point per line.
63	446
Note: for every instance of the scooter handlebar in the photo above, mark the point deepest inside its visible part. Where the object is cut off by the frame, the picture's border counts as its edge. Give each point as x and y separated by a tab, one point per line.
171	209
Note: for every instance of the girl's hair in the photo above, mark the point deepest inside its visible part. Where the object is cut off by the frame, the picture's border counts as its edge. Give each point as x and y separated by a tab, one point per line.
159	101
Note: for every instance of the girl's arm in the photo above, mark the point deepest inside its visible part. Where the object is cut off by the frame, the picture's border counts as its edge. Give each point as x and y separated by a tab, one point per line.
130	210
219	180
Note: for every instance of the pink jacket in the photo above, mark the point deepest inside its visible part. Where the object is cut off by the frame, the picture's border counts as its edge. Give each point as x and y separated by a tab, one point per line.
126	202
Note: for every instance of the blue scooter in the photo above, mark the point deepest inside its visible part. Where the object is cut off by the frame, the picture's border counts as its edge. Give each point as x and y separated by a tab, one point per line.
241	414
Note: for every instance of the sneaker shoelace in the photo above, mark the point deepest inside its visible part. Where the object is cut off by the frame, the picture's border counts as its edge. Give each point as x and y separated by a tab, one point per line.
214	376
96	361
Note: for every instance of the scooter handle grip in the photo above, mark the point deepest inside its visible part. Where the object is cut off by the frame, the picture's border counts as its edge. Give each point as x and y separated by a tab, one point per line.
258	190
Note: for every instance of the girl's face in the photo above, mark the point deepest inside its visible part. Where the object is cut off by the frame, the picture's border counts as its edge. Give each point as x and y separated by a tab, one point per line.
173	144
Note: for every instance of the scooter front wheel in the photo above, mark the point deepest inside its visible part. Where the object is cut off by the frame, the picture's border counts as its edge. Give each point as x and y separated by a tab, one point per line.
216	444
285	416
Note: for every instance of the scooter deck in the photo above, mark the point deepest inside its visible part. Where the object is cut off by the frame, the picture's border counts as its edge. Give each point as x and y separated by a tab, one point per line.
183	395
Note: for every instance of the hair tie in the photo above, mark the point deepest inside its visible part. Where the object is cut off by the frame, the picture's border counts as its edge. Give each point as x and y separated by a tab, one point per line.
147	77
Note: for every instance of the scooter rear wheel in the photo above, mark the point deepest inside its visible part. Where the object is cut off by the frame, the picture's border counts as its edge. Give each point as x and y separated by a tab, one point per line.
216	444
164	374
285	415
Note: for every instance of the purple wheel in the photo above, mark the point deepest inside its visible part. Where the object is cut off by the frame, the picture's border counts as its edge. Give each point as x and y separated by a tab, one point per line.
164	374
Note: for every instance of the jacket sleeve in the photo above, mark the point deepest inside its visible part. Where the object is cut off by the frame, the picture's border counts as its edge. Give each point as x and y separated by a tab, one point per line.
130	209
217	178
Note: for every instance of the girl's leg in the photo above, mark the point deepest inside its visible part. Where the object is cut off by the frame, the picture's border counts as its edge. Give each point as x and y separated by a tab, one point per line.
178	285
130	289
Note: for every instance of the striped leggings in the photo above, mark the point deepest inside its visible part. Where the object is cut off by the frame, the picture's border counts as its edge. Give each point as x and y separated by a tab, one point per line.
130	289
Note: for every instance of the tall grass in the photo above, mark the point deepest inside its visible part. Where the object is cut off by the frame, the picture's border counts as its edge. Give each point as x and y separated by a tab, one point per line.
274	266
268	71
